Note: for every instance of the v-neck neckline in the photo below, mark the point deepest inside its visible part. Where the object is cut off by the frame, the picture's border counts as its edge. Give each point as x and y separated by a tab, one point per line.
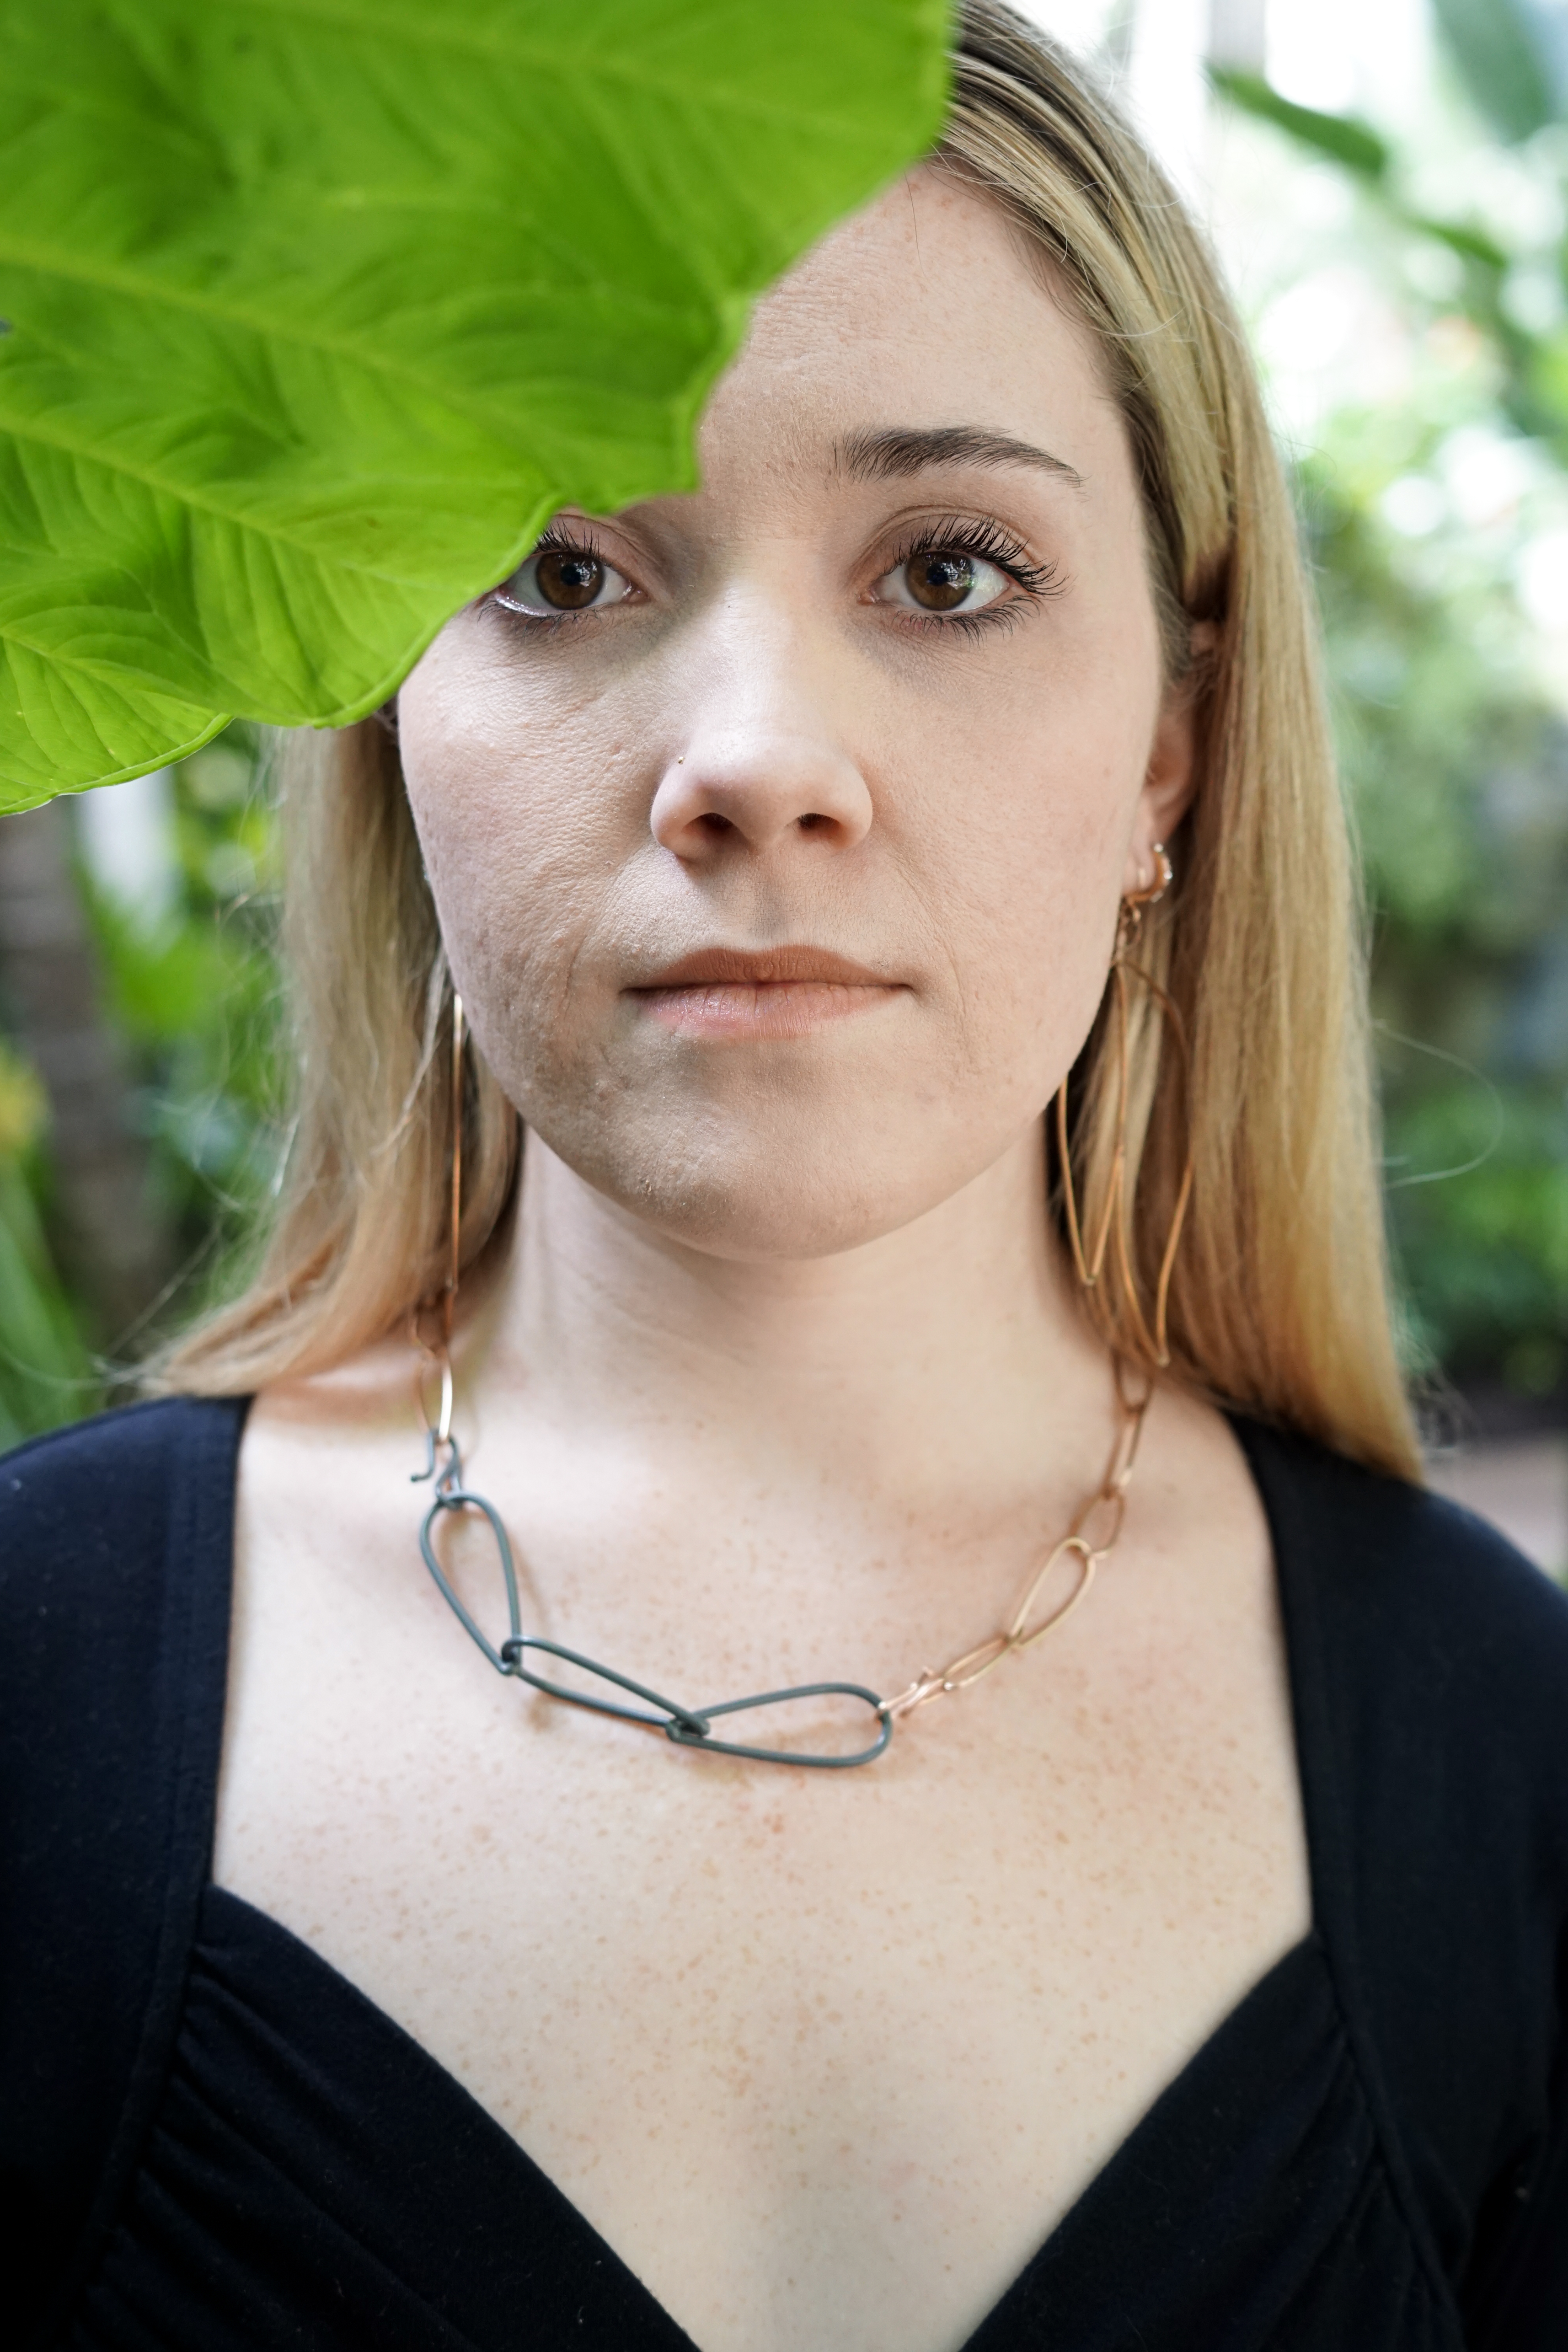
1307	1955
1299	1973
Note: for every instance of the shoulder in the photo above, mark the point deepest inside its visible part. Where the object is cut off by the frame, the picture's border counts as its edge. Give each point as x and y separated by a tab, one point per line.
115	1558
108	1485
90	1515
1418	1612
1428	1664
133	1448
115	1536
115	1544
116	1539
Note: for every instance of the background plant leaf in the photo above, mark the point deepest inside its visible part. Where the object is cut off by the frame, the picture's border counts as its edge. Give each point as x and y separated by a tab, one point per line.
315	311
1498	50
1340	137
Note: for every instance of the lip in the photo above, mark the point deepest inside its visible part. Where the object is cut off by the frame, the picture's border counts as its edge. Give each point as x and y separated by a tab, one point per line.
738	993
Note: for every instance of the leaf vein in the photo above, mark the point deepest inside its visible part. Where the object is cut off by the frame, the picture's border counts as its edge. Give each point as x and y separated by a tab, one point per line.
264	533
459	39
367	358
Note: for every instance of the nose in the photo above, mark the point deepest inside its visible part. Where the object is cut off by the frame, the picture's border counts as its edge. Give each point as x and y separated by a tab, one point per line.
762	765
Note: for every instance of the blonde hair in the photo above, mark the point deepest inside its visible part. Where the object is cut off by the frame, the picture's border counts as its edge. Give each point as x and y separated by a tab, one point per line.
1280	1299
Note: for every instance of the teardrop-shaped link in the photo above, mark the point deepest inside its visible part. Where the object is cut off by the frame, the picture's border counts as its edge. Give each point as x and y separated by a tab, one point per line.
669	1718
883	1732
456	1498
1021	1635
693	1727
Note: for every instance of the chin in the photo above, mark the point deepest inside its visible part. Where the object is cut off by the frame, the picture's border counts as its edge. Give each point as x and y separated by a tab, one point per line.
758	1230
759	1196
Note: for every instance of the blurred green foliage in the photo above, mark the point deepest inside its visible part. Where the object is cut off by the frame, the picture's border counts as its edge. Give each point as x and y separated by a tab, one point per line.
45	1374
1455	756
193	996
1457	771
1509	57
196	996
1456	759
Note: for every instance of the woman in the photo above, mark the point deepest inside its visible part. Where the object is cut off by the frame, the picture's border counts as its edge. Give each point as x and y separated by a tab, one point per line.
1188	1980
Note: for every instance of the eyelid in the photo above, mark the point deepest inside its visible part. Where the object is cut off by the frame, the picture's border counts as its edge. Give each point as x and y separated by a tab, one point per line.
975	533
979	535
572	535
624	551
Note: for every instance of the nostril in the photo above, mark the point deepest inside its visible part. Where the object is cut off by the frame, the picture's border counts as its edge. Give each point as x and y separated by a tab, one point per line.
809	824
714	825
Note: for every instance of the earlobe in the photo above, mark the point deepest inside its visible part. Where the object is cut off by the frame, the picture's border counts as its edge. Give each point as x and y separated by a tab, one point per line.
1171	778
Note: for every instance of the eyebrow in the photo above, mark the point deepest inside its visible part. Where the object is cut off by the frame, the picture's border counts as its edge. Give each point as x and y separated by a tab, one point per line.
897	451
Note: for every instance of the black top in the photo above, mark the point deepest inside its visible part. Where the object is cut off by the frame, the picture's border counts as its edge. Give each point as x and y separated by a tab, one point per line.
209	2139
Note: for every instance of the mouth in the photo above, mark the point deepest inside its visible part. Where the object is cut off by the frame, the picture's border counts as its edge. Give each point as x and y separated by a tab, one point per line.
733	993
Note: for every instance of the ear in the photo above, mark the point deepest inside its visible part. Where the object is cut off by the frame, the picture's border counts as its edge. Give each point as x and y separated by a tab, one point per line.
1170	779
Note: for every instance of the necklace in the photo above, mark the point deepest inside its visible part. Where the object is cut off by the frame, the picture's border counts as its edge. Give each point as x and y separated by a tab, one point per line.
693	1727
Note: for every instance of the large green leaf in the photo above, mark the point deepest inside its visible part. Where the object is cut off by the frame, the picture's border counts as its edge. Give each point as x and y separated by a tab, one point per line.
315	309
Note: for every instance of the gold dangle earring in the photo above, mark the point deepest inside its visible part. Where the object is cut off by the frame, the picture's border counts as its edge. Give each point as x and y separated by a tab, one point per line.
449	1293
437	1356
1114	1219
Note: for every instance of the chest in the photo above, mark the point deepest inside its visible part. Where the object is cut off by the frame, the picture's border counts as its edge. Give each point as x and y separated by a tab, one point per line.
824	2056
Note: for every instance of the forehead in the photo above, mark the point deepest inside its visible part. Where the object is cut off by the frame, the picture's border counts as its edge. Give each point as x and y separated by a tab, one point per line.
924	311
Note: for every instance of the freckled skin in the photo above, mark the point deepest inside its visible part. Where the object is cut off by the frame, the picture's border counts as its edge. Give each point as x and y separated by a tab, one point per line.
783	1378
755	751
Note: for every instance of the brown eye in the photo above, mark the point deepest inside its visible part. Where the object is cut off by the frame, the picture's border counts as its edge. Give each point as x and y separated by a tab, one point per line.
562	579
569	578
939	579
943	580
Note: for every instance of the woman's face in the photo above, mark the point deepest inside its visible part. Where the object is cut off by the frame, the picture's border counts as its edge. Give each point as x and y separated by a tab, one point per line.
778	831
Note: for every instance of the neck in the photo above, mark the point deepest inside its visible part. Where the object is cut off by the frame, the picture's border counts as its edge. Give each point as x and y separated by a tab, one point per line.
947	1354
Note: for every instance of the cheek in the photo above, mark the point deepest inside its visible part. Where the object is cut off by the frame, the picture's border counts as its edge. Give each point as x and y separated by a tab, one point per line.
525	801
1003	791
1018	845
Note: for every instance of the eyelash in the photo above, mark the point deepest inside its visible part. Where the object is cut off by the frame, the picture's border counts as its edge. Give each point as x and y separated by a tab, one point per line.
985	540
981	538
576	539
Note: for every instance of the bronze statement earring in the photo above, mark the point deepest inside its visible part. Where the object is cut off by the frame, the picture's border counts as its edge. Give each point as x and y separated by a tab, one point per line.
1112	1229
437	1356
